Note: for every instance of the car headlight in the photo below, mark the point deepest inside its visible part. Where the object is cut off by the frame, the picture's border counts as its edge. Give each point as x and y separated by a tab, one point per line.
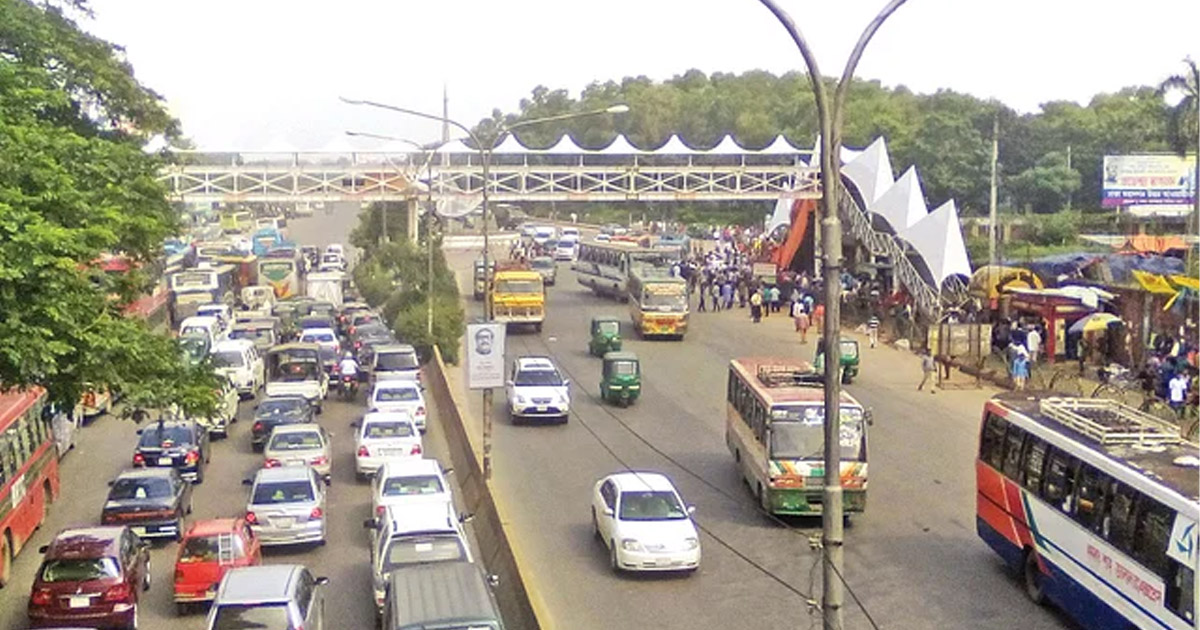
564	399
691	543
520	399
631	544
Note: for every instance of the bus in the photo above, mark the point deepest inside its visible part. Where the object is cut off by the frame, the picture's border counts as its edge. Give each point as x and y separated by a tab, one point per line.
775	429
605	267
658	303
28	471
265	239
1094	504
236	222
282	274
191	288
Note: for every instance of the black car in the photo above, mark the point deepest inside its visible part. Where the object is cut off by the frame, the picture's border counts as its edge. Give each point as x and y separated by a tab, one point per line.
369	330
275	411
325	309
316	321
151	501
178	444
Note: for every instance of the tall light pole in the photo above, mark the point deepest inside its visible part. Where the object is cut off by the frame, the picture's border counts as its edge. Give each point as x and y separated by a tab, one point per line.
830	115
485	155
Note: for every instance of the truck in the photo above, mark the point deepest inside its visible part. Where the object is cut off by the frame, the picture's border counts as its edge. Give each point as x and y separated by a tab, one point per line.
518	295
325	286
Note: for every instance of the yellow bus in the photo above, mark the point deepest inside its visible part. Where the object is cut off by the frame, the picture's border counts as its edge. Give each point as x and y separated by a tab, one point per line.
605	267
658	303
775	429
240	221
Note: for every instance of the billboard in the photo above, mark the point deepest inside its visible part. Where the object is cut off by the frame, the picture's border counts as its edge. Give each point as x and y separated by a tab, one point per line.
1139	180
485	356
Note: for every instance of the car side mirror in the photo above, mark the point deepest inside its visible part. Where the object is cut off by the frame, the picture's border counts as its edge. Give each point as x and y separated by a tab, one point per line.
608	511
869	417
322	581
691	510
566	382
371	524
111	482
247	482
43	548
465	517
493	580
447	471
508	383
354	423
139	431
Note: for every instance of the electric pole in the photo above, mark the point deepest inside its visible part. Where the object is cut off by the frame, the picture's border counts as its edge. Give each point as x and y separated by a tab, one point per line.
992	218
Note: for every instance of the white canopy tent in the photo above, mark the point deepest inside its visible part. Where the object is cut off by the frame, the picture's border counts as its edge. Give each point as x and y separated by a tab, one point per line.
782	215
565	146
779	146
620	146
511	145
903	203
938	239
871	171
727	146
675	146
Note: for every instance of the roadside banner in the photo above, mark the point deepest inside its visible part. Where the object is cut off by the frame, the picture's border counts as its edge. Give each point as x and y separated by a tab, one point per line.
485	355
1140	180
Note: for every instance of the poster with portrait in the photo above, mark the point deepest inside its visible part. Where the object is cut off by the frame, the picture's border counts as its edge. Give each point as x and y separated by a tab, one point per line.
485	355
1141	180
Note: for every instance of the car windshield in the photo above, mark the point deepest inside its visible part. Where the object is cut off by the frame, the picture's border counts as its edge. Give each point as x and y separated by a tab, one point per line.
251	617
624	368
798	432
295	371
281	406
412	485
79	569
315	337
165	436
282	492
203	548
145	488
397	394
526	378
396	361
542	263
253	334
651	505
295	441
228	358
408	551
387	429
518	286
194	331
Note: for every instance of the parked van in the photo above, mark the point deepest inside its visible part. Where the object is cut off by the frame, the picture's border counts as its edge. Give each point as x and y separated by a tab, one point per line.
440	595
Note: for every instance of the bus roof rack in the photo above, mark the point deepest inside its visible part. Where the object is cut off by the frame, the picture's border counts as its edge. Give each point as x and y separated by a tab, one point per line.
1110	422
790	376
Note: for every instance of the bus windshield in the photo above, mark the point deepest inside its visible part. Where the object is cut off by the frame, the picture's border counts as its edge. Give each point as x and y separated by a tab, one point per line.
663	299
799	433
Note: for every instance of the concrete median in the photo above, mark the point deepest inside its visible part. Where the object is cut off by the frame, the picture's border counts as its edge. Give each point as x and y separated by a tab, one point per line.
495	550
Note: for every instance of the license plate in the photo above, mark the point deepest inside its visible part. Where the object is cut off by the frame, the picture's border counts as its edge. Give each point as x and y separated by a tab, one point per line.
79	601
165	461
541	407
139	530
390	452
283	522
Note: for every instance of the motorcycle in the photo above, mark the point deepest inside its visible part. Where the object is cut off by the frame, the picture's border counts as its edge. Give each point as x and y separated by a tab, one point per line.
348	384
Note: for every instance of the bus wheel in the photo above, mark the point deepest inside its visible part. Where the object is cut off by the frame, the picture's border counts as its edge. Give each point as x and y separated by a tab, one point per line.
1034	587
6	556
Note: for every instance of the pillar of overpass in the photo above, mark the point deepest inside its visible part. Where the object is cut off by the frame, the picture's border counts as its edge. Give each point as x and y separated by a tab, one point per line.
412	220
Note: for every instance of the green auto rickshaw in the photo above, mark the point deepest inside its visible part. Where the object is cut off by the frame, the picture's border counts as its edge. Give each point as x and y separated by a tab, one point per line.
848	361
620	378
606	335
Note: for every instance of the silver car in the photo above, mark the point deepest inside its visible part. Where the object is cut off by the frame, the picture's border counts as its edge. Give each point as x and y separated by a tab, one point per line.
271	596
304	444
287	506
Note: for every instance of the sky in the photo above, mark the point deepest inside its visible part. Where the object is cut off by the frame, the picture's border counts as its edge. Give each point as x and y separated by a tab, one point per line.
266	74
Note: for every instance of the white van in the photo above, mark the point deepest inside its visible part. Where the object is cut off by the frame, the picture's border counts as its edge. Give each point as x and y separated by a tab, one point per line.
543	233
201	326
239	360
571	231
222	312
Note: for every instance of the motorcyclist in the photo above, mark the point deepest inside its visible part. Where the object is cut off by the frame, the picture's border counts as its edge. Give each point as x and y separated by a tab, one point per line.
349	366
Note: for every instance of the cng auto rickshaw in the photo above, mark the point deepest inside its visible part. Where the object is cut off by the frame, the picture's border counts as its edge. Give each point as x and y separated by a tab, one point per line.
847	361
606	335
620	378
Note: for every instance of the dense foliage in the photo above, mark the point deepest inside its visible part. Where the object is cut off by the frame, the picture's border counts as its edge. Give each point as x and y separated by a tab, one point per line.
946	135
75	184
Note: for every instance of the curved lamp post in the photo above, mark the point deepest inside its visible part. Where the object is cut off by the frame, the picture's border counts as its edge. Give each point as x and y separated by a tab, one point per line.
485	153
830	115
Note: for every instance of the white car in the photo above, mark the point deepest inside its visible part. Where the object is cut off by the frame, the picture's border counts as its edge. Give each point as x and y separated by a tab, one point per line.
227	408
572	232
383	436
332	262
603	238
414	536
201	326
222	312
644	523
399	395
407	482
324	337
543	233
299	445
566	248
239	360
538	390
335	248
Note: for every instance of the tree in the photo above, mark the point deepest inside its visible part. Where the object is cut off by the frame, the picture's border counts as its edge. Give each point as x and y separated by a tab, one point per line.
75	184
1046	186
1183	132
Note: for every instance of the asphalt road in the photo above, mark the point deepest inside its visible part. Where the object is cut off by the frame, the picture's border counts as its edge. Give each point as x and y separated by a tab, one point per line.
106	445
913	559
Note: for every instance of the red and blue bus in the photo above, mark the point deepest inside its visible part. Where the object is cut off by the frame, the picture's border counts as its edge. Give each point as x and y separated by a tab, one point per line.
28	472
1095	506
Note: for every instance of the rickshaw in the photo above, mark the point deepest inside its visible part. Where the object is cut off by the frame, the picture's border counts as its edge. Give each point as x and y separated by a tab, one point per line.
620	378
606	335
847	361
287	314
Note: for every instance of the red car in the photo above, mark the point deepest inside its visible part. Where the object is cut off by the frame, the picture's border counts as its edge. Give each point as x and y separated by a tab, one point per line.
90	577
209	549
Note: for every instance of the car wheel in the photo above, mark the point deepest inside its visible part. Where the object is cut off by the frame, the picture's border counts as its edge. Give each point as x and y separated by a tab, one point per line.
596	526
6	556
612	557
146	577
1034	586
133	618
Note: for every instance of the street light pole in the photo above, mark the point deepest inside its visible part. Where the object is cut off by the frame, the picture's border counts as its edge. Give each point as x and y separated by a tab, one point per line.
485	153
830	115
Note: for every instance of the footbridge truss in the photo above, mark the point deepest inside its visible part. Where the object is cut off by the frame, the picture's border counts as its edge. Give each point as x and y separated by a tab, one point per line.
324	177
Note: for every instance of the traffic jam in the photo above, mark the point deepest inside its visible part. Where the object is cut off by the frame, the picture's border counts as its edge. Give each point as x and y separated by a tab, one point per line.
279	324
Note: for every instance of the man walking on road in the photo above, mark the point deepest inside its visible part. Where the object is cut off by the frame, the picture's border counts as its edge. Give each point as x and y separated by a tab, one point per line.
873	330
927	369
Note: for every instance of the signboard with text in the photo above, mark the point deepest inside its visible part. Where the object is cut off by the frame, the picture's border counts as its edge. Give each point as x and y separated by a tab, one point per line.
485	355
1139	180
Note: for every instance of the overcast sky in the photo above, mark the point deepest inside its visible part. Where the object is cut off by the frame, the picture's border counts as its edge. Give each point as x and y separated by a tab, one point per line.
249	74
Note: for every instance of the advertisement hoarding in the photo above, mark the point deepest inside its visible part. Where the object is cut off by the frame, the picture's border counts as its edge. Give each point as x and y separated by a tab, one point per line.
1139	180
485	355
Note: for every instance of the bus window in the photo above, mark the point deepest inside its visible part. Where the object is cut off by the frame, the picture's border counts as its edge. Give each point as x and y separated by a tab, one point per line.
991	447
1034	462
1120	528
1180	591
1012	452
1090	508
1152	535
1059	489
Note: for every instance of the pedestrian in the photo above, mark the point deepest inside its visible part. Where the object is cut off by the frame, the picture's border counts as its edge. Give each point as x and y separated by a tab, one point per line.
1178	391
703	296
927	371
775	294
715	290
873	329
1033	343
756	307
743	289
764	297
818	318
1020	369
727	294
802	323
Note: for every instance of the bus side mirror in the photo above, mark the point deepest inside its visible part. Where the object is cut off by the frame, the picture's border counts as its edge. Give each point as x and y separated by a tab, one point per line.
869	417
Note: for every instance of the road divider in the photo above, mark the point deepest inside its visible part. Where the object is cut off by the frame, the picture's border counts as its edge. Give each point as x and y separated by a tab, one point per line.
473	241
516	605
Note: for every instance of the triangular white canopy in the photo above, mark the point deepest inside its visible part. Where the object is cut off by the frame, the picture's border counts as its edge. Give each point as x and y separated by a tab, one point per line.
675	146
903	203
727	146
871	171
846	154
938	239
782	214
510	145
455	147
780	146
620	146
339	144
564	146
